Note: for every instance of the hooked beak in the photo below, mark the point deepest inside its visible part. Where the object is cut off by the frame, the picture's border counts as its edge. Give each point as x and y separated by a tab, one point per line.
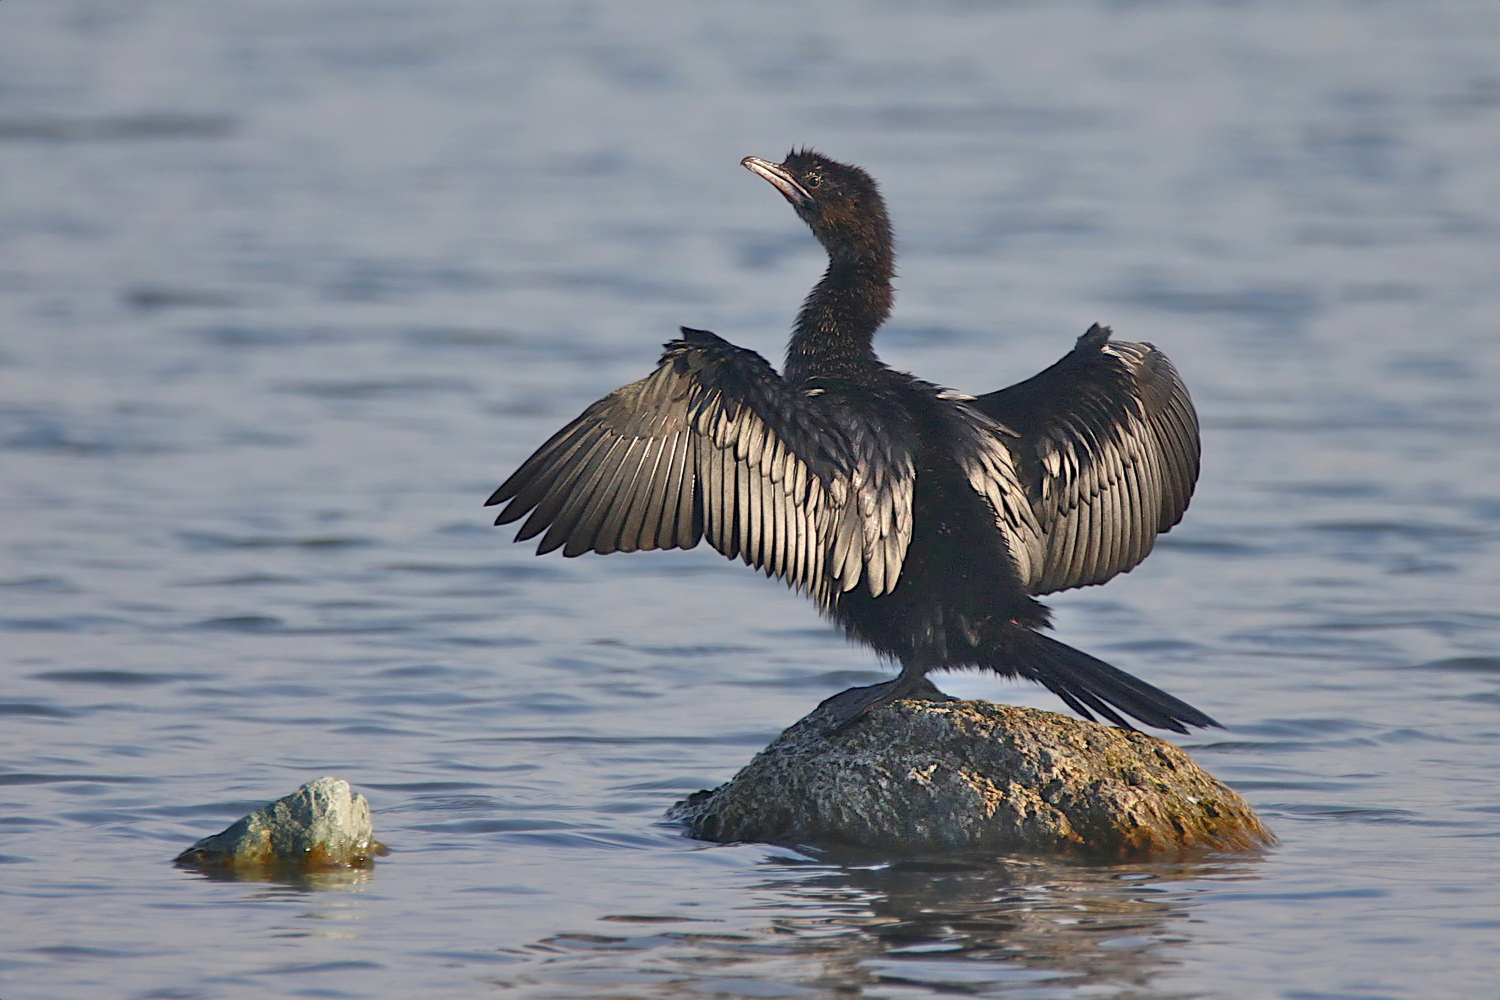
780	178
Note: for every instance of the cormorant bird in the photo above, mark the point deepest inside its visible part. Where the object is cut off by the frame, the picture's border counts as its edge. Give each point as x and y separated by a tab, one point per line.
922	520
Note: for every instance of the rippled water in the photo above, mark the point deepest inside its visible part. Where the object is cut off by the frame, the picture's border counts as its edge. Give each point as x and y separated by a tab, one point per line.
286	288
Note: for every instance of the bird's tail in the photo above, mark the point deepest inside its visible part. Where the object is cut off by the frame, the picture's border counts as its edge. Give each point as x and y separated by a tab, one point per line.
1090	685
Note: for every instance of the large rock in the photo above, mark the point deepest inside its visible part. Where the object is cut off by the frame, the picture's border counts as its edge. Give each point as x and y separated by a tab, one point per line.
926	775
321	825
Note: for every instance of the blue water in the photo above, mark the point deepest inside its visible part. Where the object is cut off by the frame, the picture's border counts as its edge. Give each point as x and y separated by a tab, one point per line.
287	288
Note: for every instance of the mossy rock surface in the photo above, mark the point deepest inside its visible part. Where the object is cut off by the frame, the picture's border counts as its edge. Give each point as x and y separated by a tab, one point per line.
324	824
952	775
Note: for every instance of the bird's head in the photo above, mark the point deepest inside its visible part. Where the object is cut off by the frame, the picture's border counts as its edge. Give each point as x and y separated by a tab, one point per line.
839	202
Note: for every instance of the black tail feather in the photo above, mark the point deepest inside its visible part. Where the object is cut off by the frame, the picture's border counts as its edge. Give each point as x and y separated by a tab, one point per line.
1088	685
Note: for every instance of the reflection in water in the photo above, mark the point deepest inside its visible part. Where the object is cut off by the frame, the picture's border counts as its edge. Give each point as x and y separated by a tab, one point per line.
969	926
283	882
325	904
986	924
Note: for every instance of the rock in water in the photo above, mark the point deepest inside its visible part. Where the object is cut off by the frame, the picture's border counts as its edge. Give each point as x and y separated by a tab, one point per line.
945	775
323	824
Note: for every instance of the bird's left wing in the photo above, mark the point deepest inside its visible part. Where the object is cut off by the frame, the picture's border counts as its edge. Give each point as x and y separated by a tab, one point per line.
715	444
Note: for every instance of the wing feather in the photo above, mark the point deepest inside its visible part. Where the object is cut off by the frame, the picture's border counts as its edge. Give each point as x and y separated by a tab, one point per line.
1104	445
549	497
714	444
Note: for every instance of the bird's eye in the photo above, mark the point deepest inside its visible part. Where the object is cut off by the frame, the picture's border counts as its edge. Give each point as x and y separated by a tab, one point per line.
813	180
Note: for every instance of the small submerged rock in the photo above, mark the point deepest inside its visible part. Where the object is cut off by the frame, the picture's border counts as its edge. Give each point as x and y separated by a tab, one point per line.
323	824
923	775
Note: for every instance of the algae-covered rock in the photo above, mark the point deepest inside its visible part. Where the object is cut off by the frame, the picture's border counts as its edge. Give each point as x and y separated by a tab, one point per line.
944	775
323	824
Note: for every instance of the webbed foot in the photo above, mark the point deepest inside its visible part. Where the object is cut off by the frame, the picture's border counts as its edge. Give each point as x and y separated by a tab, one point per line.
848	707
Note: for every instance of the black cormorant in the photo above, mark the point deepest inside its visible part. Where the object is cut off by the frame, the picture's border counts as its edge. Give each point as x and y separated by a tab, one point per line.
922	520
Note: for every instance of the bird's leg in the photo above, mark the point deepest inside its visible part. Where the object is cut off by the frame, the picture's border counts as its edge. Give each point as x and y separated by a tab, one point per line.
848	707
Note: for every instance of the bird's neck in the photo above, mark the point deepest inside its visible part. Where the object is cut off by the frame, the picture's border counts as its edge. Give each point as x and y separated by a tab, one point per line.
835	331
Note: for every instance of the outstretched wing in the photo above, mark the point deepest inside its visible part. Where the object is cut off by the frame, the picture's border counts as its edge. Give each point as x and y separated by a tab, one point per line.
1107	442
715	444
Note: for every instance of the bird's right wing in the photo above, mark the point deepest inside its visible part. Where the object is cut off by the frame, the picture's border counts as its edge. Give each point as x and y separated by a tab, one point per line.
1107	445
715	444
